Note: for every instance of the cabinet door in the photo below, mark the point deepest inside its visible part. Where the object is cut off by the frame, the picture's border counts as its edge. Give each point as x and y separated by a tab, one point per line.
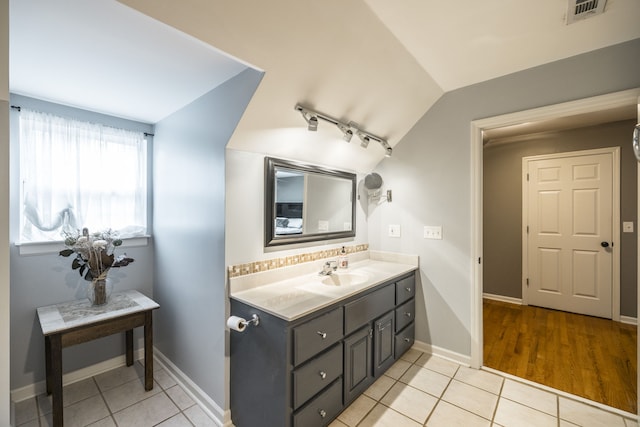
358	374
383	341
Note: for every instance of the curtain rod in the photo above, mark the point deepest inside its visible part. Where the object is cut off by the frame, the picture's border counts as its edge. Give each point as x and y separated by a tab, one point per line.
17	107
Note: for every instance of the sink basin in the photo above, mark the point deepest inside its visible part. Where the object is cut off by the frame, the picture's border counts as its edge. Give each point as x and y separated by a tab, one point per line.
345	279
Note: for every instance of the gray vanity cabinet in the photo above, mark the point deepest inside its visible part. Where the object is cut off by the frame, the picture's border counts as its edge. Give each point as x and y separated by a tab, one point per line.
303	373
358	374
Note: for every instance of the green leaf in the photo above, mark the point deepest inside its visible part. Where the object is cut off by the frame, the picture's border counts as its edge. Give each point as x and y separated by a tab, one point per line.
76	264
66	252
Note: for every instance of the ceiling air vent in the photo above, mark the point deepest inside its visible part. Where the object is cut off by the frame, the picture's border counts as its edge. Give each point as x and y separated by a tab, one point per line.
582	9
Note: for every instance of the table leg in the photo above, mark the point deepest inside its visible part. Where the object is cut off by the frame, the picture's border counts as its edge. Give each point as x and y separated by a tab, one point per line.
55	362
47	362
129	346
148	351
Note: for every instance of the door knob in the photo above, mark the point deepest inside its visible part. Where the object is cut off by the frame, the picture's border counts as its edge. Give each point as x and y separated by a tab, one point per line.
604	244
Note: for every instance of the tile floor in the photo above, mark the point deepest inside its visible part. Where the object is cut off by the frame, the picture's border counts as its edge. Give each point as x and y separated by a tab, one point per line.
117	398
418	390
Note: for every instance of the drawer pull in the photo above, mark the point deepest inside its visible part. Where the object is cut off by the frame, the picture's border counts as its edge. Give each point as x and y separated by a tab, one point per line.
322	413
322	374
408	289
322	334
407	339
408	314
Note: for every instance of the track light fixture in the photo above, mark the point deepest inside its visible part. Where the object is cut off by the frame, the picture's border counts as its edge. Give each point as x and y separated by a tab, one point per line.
347	133
364	140
311	117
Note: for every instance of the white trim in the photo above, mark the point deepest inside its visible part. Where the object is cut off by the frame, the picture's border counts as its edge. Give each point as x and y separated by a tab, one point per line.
629	320
221	417
502	298
40	387
597	103
561	393
39	248
452	356
615	225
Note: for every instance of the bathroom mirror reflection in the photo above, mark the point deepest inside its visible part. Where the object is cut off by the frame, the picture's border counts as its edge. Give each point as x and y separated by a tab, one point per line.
305	203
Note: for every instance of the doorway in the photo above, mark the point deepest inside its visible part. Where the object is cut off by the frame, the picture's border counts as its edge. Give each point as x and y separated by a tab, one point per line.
586	107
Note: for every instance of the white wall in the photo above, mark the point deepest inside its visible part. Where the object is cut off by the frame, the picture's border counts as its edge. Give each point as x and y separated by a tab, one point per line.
245	214
4	213
431	180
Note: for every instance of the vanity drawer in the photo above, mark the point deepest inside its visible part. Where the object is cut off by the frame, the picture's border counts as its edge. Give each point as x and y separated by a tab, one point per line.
312	337
404	340
316	374
367	308
405	314
321	410
405	289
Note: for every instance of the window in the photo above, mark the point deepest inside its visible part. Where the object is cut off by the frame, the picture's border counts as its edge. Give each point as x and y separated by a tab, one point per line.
78	174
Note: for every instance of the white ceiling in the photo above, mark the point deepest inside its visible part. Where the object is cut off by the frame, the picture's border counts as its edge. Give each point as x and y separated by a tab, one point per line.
381	64
103	56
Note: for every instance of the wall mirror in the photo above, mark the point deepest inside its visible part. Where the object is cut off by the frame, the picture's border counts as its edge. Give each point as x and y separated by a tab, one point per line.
305	203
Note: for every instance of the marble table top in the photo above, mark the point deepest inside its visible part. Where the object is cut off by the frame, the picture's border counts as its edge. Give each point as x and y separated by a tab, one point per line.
67	315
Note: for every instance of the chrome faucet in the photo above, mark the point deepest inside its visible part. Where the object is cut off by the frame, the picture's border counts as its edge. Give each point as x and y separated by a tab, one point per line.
328	268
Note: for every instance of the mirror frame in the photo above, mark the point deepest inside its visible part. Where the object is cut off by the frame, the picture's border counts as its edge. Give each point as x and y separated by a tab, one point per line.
270	239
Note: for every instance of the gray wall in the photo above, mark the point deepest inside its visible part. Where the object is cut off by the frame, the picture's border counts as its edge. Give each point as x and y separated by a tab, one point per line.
290	189
38	280
429	174
189	232
4	214
503	204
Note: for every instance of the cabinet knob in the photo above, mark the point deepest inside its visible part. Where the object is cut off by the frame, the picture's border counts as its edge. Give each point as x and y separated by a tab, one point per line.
408	314
322	374
322	413
407	339
322	334
408	289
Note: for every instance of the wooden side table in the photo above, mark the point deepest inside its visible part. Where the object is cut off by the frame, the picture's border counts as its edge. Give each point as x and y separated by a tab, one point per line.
75	322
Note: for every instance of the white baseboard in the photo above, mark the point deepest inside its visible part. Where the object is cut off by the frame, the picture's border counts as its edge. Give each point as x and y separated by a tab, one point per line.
35	389
443	353
629	320
221	417
502	298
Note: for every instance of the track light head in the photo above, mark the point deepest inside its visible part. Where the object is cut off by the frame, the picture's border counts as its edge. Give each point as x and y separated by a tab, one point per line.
364	139
312	123
347	133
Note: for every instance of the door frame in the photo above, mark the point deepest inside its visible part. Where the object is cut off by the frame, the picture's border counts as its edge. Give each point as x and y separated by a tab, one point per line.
588	105
615	217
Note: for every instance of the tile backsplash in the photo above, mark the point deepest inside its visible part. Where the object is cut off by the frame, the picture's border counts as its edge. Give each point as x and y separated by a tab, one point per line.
274	263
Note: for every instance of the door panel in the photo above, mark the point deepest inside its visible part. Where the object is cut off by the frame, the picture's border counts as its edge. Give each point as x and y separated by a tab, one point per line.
570	205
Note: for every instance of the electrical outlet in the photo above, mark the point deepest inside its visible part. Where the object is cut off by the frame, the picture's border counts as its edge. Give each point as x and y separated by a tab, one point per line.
433	232
323	225
394	230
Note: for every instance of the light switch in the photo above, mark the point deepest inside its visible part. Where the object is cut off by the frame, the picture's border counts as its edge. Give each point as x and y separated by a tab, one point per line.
433	232
394	230
627	226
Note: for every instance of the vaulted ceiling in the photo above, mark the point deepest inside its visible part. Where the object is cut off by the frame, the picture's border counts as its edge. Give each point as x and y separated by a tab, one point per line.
380	64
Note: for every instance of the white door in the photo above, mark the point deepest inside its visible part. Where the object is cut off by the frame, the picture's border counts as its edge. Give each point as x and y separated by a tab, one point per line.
570	228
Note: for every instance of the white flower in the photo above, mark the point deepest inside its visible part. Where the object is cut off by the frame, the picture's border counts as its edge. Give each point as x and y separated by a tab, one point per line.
100	244
81	240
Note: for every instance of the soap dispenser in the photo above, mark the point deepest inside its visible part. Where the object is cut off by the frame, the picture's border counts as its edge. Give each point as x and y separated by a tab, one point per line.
343	260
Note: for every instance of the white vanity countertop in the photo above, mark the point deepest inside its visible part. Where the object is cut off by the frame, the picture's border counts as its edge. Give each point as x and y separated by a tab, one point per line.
300	294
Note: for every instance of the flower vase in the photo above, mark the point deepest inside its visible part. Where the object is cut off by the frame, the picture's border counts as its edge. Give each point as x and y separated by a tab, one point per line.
99	290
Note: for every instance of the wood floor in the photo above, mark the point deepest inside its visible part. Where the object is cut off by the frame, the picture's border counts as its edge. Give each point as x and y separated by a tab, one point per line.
583	355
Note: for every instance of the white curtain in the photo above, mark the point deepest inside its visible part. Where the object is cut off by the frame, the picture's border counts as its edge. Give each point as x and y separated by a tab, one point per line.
78	174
